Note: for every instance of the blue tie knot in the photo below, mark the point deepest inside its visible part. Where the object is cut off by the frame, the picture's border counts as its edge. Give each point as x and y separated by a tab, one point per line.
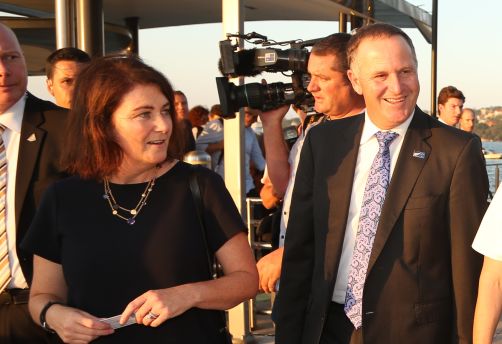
385	138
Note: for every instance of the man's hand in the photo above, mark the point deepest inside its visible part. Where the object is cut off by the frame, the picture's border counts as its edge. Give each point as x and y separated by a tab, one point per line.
273	116
269	270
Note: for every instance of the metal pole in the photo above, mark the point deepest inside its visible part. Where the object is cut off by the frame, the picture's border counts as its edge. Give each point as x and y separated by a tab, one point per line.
356	21
233	134
342	22
497	177
132	24
370	11
65	13
90	26
434	47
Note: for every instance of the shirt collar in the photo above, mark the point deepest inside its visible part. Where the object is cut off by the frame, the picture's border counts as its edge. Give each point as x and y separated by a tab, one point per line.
370	129
13	117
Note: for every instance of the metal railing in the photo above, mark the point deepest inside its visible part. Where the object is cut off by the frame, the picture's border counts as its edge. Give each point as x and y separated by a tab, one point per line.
493	171
260	248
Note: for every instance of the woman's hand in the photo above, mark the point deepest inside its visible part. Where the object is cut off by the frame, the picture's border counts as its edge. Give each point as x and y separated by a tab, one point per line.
156	306
76	326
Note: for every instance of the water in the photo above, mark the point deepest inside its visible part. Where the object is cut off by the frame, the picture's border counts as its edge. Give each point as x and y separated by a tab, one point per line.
492	164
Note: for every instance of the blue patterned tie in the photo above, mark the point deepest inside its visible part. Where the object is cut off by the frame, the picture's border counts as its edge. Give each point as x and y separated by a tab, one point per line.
374	196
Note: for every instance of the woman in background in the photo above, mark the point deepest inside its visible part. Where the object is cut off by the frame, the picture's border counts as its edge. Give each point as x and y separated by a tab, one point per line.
122	236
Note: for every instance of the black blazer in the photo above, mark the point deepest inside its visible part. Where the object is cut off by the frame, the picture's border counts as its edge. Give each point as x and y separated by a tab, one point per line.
422	276
38	165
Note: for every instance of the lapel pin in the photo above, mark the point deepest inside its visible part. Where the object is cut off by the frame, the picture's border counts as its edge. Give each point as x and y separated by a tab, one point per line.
419	154
32	138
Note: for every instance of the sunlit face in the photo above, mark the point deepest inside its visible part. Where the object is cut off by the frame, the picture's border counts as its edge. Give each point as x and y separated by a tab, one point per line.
142	127
13	71
384	71
450	111
250	117
62	82
330	88
467	120
181	106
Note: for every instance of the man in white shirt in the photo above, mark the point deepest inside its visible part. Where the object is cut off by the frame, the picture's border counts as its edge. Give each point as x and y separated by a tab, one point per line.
32	139
334	98
488	242
378	241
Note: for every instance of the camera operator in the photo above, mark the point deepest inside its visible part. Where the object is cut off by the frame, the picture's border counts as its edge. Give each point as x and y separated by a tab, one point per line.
334	99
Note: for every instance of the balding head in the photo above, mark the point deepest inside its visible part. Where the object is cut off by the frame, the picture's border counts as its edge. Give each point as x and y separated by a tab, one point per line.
13	71
467	120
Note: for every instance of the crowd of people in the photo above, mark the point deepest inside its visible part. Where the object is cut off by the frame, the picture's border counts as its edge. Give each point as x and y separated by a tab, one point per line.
107	236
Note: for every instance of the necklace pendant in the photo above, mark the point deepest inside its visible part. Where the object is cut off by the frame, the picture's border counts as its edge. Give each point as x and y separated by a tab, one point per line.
133	212
114	212
105	196
131	221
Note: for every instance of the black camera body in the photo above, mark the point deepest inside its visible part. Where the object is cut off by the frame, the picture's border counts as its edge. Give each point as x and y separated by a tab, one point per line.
251	62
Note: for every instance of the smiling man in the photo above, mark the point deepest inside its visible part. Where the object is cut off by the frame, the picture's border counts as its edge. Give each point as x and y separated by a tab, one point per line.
62	68
378	244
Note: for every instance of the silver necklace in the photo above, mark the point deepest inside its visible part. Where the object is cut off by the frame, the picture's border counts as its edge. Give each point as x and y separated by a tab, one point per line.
128	215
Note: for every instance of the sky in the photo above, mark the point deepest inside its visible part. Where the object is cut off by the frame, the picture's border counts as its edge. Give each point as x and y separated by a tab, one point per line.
469	52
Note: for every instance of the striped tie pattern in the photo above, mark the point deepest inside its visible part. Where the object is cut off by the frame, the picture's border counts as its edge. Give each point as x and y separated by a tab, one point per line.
5	274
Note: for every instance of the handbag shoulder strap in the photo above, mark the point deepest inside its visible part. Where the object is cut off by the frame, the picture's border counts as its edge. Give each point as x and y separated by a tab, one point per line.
199	206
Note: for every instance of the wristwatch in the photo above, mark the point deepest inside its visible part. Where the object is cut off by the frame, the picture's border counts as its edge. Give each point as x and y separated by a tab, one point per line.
43	322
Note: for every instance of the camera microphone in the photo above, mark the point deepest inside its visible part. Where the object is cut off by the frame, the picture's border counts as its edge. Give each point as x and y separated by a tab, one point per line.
253	34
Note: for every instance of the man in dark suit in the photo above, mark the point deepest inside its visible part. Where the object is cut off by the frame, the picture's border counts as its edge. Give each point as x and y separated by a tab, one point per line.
31	132
378	245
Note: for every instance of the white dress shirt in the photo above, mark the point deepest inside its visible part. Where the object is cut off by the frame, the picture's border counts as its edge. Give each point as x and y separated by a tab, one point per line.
12	120
368	148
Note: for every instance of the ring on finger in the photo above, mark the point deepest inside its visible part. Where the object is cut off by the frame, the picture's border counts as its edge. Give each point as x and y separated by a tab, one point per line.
152	315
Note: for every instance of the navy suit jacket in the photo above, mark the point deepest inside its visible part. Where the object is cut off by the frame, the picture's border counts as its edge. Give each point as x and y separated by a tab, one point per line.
422	276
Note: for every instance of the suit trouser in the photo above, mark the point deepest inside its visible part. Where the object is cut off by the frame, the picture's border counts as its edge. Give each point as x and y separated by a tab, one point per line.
16	324
338	329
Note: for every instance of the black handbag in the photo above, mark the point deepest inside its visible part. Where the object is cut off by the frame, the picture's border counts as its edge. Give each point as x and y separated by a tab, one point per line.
211	260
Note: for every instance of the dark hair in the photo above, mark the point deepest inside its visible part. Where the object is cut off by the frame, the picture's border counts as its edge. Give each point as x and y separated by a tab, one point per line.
449	92
180	93
216	110
196	113
335	44
90	150
64	54
377	30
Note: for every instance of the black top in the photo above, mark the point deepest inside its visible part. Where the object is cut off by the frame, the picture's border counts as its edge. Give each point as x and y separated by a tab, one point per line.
107	262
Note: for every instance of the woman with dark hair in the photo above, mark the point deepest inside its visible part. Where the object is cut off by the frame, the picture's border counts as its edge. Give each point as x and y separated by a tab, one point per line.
121	238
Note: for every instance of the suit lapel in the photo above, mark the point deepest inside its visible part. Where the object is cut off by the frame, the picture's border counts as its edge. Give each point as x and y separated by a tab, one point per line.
29	146
408	167
339	192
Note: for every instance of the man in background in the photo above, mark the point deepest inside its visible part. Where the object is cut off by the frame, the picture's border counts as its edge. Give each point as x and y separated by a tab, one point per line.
62	68
31	139
253	155
450	104
185	127
334	99
467	120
